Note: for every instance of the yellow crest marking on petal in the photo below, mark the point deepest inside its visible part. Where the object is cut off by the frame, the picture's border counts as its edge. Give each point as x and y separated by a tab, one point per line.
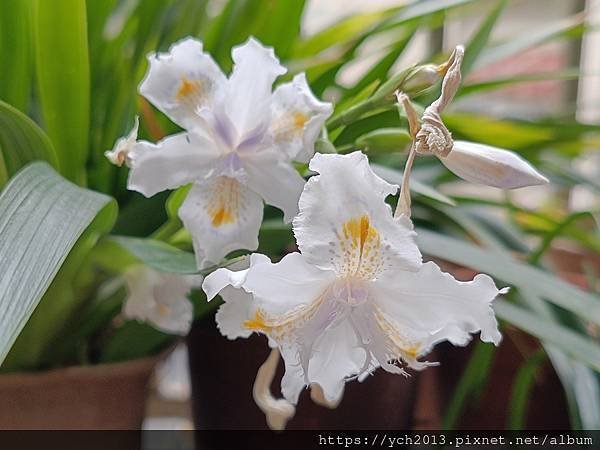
163	310
289	125
300	120
188	88
282	328
257	323
222	216
360	246
400	345
224	201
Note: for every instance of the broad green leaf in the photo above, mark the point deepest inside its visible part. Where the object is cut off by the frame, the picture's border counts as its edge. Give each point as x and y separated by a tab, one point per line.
15	54
512	272
481	37
395	176
156	254
521	391
41	218
21	141
62	68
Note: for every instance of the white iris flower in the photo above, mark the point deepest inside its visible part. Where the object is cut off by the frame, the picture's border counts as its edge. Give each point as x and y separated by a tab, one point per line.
358	295
240	140
160	298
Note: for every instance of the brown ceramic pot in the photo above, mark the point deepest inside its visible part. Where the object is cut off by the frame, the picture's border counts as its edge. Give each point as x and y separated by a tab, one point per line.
223	373
102	397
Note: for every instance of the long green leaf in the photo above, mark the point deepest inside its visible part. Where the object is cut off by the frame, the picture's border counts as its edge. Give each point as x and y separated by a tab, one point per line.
498	83
580	383
62	68
571	26
521	391
574	344
21	141
481	37
15	54
41	218
472	380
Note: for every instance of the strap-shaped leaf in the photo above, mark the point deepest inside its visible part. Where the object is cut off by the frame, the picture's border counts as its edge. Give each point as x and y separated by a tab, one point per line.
63	75
41	217
21	142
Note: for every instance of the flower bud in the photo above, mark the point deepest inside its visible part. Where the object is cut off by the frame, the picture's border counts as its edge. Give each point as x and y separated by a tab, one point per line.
491	166
422	78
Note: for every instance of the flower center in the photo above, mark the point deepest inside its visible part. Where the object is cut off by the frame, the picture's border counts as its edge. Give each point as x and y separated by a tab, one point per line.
223	204
360	252
289	125
189	92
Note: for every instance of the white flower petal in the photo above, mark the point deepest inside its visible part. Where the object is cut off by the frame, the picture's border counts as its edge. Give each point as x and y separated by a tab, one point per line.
284	286
297	119
491	166
248	96
275	180
222	215
238	306
160	298
182	81
429	301
233	275
343	212
231	316
336	358
125	145
175	161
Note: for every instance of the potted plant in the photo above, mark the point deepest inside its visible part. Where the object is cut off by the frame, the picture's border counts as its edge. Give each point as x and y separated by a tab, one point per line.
97	278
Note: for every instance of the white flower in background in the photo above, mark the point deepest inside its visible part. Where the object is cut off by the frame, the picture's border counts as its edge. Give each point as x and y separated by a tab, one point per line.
120	154
358	295
239	145
476	163
160	298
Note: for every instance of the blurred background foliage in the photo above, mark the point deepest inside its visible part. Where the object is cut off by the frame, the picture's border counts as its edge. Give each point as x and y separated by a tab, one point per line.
69	89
